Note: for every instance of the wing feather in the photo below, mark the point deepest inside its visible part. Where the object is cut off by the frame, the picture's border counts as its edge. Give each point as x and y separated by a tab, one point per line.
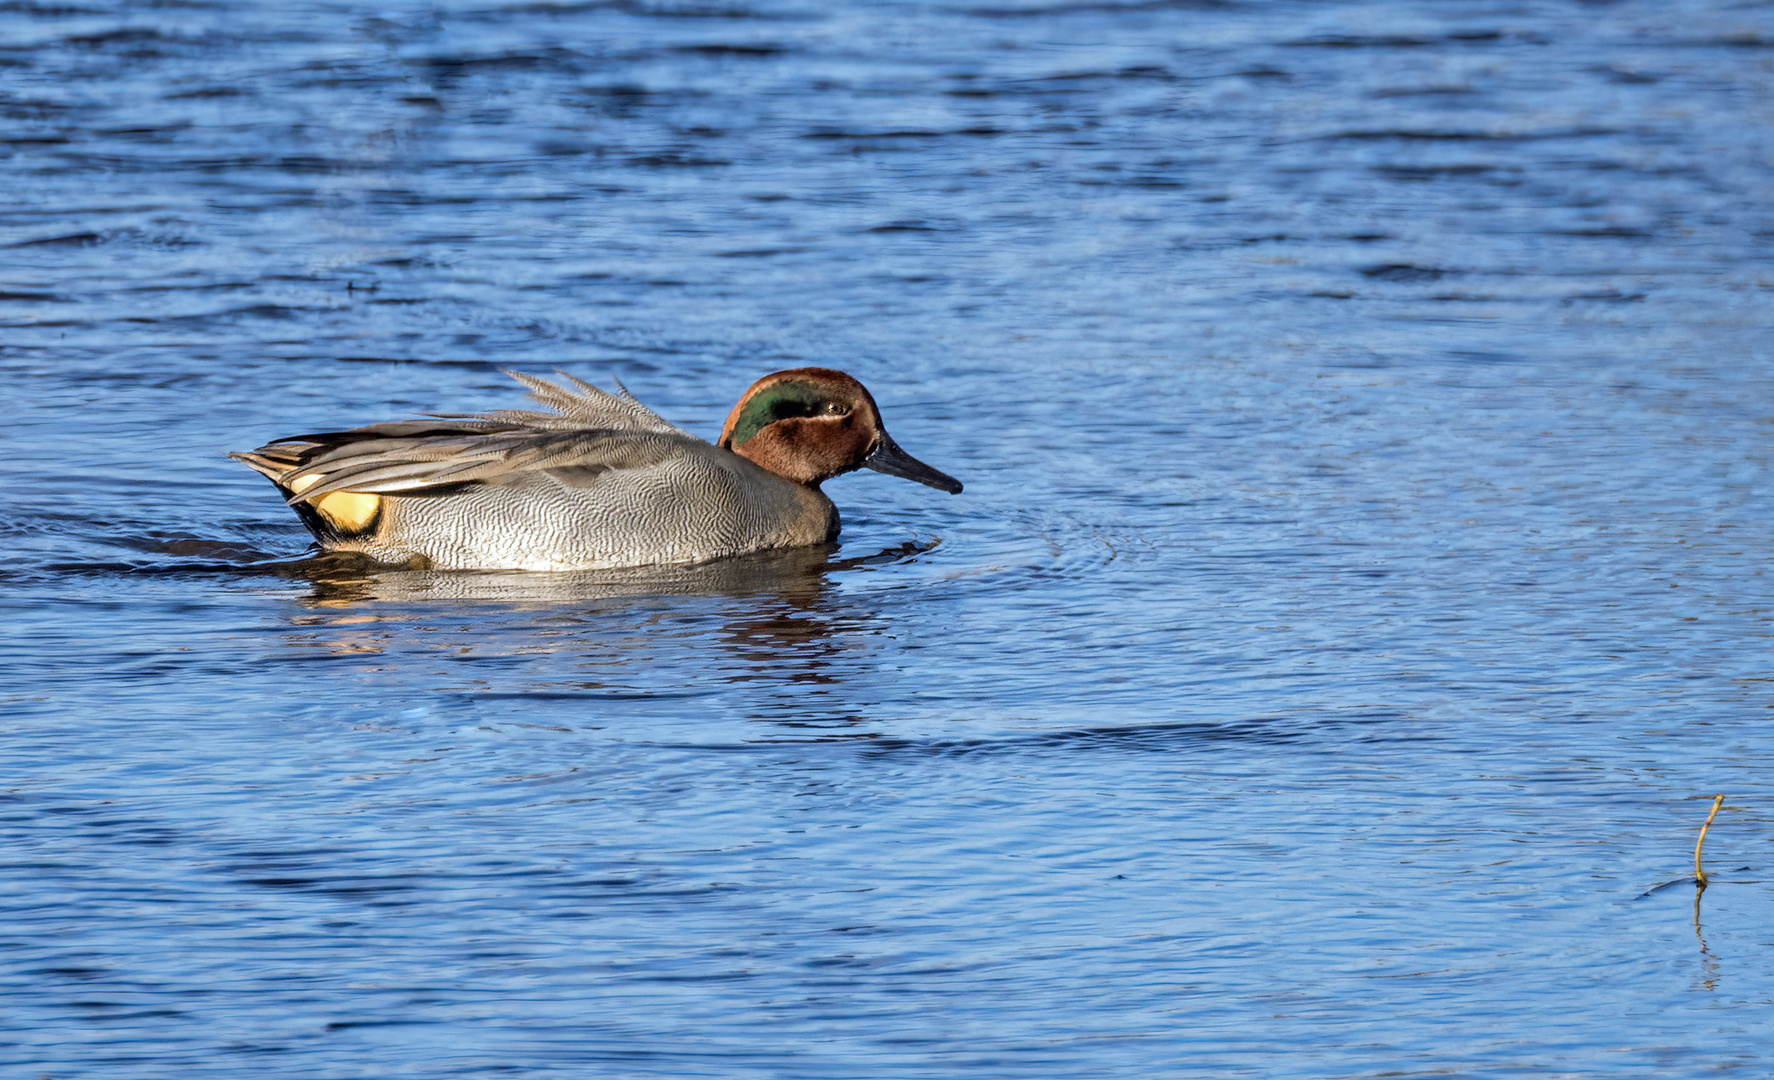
589	433
411	465
577	406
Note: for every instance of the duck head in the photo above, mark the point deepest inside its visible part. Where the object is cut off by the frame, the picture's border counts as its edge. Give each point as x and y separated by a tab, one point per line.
810	424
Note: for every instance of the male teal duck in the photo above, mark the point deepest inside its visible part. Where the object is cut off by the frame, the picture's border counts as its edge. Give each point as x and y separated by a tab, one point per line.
600	482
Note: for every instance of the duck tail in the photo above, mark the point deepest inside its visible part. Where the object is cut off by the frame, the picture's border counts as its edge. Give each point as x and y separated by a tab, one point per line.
267	462
335	518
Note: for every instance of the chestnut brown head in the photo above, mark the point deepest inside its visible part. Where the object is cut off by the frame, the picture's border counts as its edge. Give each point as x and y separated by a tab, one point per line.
811	424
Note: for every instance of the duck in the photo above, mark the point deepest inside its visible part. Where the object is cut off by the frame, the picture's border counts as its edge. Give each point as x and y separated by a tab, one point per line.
593	481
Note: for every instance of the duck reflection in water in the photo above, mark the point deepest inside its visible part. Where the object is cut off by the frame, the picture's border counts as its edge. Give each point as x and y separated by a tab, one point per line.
772	615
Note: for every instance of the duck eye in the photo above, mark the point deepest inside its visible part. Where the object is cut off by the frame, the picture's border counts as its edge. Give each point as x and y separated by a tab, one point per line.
836	408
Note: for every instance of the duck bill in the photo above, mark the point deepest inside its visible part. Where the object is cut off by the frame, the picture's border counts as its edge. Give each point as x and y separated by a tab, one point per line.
890	459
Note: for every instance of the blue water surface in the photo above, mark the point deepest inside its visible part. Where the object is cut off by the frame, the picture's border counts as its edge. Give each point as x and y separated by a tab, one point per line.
1359	594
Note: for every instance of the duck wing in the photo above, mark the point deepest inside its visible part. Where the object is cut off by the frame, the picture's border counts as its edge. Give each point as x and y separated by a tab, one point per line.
438	462
589	433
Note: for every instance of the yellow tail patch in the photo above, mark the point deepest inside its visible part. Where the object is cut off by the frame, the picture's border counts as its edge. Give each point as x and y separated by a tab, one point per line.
347	511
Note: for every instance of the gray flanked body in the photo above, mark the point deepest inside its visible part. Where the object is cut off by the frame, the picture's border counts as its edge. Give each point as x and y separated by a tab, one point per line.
695	504
601	482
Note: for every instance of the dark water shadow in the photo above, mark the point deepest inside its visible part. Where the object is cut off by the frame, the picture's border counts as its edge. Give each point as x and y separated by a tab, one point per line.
1135	738
341	579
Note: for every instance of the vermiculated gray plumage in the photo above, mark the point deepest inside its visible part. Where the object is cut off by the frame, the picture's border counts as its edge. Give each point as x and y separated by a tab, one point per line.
601	481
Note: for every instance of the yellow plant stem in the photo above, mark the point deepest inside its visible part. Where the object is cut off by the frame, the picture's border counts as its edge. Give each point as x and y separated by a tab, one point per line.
1699	873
